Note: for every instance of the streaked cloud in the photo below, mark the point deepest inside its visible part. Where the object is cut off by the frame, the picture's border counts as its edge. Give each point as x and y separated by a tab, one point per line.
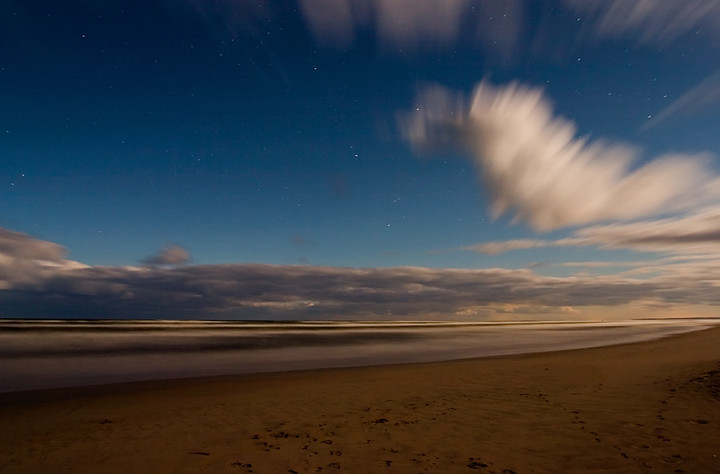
533	163
508	30
703	96
400	23
334	21
502	246
407	25
695	234
650	21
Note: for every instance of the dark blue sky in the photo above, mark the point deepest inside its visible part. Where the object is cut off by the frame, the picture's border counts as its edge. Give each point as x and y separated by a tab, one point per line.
278	131
127	126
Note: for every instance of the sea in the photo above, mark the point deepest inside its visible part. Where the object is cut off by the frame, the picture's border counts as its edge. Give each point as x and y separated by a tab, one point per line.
42	354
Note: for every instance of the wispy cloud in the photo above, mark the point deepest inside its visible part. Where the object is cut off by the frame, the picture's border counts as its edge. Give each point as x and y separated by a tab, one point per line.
650	21
407	25
534	164
312	292
503	246
501	26
703	96
334	21
507	29
696	234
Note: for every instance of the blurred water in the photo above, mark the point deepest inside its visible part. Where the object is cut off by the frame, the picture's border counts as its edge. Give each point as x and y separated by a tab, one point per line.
48	354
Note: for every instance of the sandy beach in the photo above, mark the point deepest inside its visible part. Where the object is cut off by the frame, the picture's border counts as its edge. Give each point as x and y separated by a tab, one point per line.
643	407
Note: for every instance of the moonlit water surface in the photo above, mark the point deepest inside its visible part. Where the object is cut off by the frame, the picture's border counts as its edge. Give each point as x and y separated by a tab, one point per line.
51	354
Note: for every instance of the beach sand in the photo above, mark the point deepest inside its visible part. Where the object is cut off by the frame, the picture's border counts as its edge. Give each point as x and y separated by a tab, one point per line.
645	407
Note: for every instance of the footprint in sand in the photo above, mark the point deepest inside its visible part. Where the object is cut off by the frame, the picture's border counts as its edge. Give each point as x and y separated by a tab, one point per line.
476	463
247	467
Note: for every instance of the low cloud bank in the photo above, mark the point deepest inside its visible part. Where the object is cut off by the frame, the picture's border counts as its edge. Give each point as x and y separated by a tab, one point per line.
253	291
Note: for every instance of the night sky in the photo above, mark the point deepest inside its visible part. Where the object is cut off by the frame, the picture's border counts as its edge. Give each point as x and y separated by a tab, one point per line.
369	159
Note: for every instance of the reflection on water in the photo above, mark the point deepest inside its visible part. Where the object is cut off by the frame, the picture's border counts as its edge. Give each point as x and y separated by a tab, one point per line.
45	354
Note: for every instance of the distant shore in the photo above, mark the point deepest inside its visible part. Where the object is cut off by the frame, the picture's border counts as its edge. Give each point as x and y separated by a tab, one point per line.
650	406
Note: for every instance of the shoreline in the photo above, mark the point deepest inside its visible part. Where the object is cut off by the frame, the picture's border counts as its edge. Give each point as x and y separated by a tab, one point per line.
71	356
50	393
634	406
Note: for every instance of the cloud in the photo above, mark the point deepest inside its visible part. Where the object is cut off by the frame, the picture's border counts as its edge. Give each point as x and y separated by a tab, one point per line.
695	234
24	259
396	26
409	25
504	26
534	164
400	23
338	23
254	291
507	30
495	248
170	255
22	246
701	97
651	21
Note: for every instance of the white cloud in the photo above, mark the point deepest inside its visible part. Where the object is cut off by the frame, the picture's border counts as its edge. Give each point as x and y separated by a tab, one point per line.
534	164
22	246
26	260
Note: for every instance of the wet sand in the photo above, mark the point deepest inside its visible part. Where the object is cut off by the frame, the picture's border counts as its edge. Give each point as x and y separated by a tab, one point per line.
644	407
